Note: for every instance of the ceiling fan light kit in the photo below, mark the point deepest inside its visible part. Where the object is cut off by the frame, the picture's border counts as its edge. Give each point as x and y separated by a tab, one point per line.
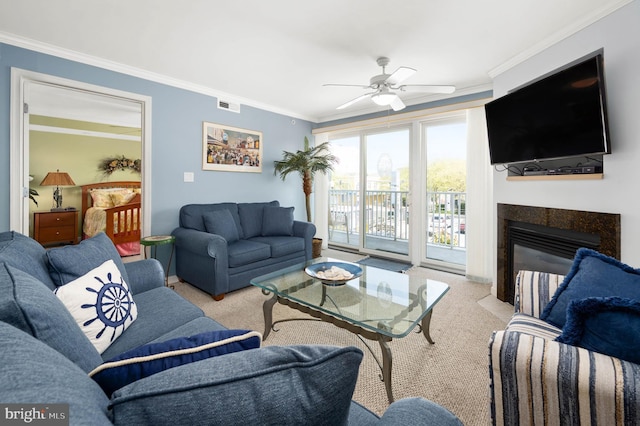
385	85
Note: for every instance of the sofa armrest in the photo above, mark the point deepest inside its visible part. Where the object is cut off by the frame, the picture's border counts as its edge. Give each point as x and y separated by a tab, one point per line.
144	275
539	381
200	243
284	385
305	230
534	290
418	411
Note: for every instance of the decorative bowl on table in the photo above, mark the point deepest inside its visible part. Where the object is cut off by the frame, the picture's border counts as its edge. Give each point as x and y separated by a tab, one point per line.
333	273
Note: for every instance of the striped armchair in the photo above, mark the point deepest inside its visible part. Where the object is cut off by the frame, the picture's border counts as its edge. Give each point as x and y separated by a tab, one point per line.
538	381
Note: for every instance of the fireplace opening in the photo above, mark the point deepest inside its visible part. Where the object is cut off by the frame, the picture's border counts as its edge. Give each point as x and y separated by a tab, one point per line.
542	248
541	238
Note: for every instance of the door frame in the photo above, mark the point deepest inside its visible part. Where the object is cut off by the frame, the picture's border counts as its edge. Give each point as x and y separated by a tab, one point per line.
19	137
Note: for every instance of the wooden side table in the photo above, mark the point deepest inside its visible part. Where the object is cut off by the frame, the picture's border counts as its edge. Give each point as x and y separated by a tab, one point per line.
59	227
154	241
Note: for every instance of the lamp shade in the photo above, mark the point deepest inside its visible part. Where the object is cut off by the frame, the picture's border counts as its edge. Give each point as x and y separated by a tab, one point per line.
57	178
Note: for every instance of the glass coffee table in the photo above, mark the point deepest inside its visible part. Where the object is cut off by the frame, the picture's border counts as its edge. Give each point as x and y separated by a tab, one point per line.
378	305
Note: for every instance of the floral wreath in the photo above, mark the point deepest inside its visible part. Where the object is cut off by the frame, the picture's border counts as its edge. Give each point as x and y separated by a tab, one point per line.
110	165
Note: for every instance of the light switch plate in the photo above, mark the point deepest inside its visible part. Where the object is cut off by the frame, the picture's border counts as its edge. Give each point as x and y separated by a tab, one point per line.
188	176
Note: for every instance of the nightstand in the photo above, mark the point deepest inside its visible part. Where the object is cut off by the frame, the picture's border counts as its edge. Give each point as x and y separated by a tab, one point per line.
56	227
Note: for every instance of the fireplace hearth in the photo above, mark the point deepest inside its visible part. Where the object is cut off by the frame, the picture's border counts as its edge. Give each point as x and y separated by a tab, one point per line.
540	238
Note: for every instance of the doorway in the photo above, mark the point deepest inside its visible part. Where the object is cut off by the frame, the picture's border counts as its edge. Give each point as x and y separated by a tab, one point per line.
64	109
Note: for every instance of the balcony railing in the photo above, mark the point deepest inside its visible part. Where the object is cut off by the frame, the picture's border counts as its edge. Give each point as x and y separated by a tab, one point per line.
386	215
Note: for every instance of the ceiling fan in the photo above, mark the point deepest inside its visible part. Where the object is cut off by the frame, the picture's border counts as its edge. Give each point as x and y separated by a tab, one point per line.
386	85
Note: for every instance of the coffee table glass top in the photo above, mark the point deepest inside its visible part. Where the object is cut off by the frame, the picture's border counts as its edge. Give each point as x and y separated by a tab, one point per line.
390	303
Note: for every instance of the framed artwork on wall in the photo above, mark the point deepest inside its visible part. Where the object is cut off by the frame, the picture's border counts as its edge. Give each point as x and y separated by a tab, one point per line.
230	149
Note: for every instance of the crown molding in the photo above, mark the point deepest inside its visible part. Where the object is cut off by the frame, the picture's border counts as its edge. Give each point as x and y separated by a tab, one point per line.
557	37
86	59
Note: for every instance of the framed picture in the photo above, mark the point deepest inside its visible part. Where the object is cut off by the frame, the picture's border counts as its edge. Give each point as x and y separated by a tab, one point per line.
230	149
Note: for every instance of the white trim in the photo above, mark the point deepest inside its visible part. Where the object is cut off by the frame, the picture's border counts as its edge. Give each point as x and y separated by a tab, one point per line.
557	37
18	178
399	118
83	58
68	131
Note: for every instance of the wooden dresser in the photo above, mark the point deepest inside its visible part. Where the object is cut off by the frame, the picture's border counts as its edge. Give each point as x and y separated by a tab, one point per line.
56	227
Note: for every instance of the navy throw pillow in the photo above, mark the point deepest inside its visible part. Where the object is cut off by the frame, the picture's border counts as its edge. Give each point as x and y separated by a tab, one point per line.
608	325
153	358
221	222
277	221
592	275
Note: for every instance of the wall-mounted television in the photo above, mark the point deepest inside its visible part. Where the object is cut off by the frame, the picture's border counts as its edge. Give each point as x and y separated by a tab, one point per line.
560	115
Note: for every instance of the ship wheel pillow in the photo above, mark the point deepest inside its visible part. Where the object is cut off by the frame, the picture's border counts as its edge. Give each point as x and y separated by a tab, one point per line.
101	304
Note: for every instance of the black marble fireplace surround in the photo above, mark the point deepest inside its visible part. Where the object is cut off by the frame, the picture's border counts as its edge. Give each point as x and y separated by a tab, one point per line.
559	232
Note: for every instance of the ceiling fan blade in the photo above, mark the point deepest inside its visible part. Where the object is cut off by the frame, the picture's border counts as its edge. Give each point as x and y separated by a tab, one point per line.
428	88
347	85
397	104
353	101
400	75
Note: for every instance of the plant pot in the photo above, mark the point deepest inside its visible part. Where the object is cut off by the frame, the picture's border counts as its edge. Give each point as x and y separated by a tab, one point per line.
316	246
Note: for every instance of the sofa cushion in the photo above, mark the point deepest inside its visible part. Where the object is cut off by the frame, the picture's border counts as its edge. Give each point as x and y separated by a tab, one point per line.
30	306
71	262
608	325
191	215
34	373
592	275
221	222
160	311
101	304
272	385
282	246
251	217
25	254
277	221
243	252
156	357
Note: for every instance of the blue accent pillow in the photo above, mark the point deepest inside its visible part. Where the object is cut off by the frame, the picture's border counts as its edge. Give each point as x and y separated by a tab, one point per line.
592	275
608	325
31	306
221	222
277	221
251	217
153	358
69	263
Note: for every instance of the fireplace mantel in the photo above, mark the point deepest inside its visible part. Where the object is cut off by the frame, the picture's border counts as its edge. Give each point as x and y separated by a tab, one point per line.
605	225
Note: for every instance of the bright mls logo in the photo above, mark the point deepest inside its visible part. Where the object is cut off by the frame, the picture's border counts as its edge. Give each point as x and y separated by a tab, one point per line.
34	414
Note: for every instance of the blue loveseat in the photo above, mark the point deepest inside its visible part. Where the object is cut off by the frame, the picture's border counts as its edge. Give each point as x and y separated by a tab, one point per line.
45	357
220	247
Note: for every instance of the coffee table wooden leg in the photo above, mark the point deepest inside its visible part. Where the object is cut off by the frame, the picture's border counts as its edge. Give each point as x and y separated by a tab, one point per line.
426	323
267	309
387	362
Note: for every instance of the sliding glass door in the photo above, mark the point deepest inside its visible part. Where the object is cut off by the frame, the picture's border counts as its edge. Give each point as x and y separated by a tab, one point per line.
369	192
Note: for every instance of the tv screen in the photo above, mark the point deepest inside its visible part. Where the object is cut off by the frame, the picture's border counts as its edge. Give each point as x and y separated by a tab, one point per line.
562	115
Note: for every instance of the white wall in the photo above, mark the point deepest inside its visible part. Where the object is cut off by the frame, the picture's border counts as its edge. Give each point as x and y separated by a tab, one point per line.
619	35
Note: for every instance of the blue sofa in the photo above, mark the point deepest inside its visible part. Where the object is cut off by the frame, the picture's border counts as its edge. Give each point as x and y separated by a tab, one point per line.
220	247
46	358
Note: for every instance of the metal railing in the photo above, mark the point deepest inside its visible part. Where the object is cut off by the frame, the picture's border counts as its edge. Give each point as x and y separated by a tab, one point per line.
386	215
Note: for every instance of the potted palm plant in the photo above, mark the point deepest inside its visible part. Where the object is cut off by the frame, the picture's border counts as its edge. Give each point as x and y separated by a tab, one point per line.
307	163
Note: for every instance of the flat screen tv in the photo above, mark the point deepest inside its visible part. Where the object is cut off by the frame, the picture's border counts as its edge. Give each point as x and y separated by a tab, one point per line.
561	115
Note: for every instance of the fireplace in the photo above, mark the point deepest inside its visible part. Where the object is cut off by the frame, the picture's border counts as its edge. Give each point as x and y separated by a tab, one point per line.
546	239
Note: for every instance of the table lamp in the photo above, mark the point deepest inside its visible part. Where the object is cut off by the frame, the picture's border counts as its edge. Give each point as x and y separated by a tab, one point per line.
57	179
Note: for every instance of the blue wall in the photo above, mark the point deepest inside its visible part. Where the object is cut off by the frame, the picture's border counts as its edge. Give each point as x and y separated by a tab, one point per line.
177	117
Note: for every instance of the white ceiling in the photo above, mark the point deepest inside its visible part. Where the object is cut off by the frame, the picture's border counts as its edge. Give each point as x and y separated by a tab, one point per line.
277	54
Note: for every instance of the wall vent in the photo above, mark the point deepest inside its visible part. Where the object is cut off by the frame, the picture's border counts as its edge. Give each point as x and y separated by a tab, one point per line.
229	106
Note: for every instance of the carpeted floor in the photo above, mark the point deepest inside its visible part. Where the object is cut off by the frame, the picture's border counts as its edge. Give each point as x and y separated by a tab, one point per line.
453	372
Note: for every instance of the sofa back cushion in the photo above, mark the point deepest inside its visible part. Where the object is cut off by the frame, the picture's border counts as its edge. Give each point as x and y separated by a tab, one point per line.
30	306
251	217
25	254
192	215
221	222
33	373
69	263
